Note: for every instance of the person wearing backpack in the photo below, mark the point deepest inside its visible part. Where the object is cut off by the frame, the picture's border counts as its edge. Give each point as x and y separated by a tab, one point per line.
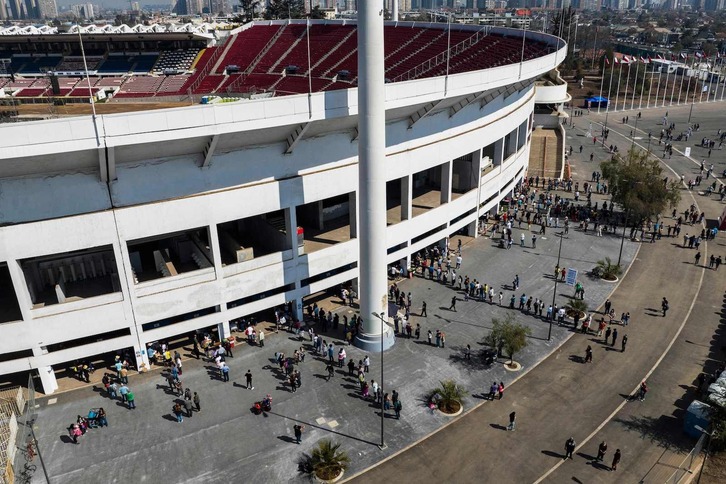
397	408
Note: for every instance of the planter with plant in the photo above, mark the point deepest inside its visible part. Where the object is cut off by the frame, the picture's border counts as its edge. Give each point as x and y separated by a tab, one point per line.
576	307
609	271
327	463
447	397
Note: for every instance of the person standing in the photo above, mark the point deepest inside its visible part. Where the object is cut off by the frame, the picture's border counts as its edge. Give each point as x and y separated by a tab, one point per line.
418	331
261	337
569	447
177	410
131	399
366	363
615	336
351	367
188	407
330	370
423	309
616	460
608	332
500	389
601	449
623	343
467	352
397	406
642	390
225	372
197	404
698	257
430	336
512	421
248	380
298	432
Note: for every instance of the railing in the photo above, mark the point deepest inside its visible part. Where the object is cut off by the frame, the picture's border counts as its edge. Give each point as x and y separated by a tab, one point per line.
207	67
439	59
684	468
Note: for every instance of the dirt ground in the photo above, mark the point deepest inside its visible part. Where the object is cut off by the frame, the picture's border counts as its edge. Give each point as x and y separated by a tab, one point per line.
80	109
715	470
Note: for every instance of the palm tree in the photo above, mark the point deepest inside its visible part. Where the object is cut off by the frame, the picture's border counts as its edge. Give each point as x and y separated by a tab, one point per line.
608	270
327	460
448	396
576	306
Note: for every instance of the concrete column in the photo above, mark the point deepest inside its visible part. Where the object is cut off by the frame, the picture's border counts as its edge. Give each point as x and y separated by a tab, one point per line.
373	298
353	214
216	252
498	152
446	179
394	14
319	214
46	373
223	329
142	357
21	289
291	227
407	197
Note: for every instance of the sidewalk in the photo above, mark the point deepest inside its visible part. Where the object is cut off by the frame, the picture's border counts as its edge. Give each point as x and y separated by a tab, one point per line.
562	398
227	438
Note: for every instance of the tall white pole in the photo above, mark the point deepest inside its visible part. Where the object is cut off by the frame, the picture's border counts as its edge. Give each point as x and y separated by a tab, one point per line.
521	59
680	88
610	85
627	81
657	89
372	179
394	14
665	89
602	81
642	84
673	89
635	83
689	72
617	91
650	84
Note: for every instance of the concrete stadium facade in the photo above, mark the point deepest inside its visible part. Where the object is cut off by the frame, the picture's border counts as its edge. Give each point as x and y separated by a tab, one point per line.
124	229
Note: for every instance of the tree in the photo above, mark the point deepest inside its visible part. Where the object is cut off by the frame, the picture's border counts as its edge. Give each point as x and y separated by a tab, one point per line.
638	185
448	396
507	335
327	460
249	9
608	270
278	9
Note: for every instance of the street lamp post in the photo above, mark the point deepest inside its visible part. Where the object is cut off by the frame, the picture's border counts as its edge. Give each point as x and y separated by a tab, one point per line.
622	239
382	316
554	292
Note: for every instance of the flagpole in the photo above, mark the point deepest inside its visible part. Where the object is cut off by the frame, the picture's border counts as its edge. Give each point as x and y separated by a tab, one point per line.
607	106
680	88
650	85
657	89
642	85
602	81
665	89
688	87
673	88
627	82
635	83
617	91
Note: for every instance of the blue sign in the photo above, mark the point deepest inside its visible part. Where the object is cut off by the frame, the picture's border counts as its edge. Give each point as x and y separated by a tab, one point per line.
571	278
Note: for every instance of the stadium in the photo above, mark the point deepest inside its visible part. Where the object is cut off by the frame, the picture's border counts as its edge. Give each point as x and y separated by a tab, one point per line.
120	230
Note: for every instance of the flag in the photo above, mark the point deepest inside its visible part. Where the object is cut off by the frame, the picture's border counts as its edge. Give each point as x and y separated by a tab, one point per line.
615	59
660	57
705	88
643	60
699	55
684	56
607	61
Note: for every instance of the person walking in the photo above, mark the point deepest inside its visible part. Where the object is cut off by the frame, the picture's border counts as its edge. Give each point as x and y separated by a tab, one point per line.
248	380
697	257
623	343
512	421
616	460
500	389
467	352
642	390
569	448
177	410
131	399
453	304
588	354
298	432
423	309
397	406
601	449
197	404
330	370
664	306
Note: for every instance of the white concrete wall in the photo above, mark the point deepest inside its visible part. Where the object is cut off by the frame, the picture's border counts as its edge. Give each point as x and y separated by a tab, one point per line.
436	139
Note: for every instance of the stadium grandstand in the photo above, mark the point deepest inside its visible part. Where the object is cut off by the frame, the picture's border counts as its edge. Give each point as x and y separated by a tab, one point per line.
274	57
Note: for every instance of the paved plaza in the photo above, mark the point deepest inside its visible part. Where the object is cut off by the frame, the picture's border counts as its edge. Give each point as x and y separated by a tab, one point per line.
554	397
225	441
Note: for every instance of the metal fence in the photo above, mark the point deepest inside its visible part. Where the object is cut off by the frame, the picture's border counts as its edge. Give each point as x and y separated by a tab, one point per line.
8	439
684	472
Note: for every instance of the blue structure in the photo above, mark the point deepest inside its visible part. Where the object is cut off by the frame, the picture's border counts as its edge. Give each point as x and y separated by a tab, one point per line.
596	101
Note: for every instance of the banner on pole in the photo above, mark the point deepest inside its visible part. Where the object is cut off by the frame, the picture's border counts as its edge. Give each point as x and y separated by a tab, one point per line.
571	277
